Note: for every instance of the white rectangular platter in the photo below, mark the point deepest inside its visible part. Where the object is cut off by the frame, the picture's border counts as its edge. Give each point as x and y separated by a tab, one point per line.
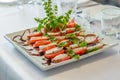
37	60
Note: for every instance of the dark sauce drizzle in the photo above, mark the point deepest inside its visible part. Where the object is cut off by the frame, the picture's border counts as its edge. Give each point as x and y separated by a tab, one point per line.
48	61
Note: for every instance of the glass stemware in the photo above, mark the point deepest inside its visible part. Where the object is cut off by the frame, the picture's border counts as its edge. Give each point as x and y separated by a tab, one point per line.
66	5
110	21
87	21
20	3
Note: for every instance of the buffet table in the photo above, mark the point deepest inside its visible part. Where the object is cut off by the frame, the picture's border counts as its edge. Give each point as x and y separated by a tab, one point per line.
14	66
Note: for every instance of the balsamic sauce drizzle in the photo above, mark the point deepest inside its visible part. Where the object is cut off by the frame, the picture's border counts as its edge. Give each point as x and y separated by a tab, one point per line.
48	61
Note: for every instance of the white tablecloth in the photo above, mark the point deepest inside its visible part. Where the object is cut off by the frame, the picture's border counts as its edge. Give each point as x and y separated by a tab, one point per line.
103	66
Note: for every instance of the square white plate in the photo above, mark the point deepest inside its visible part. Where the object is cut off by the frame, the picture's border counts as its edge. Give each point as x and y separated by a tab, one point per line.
37	60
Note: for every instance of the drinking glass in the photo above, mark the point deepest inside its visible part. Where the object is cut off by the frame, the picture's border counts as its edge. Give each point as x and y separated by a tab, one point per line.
66	5
110	21
20	3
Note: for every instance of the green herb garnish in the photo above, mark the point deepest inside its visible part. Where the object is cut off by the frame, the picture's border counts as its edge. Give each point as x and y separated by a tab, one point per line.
45	34
52	21
72	54
75	40
70	35
62	44
77	27
52	38
92	50
83	44
77	56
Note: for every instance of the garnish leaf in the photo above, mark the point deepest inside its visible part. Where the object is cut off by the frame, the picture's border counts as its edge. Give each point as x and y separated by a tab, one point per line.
77	56
70	35
39	27
83	44
52	38
62	44
92	50
77	27
46	35
37	19
70	52
75	40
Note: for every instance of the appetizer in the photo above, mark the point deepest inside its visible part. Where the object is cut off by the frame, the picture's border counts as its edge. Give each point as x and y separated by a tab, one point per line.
58	38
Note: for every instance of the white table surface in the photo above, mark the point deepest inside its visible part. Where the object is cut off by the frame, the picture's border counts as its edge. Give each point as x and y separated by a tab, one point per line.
103	66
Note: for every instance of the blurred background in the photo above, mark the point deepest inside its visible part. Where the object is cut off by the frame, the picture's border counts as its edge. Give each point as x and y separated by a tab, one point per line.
13	13
112	2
